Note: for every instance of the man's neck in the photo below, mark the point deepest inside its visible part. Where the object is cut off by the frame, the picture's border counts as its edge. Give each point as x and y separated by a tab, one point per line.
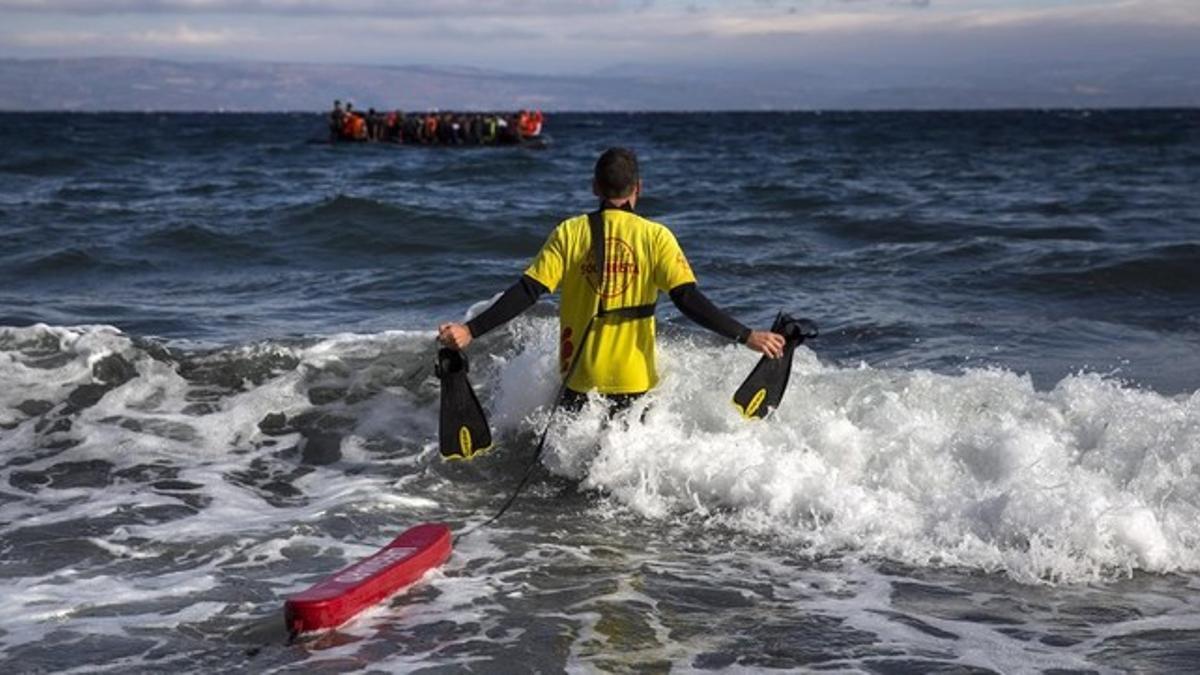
622	204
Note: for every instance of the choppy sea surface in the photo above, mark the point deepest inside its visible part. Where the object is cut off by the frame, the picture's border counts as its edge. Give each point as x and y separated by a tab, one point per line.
216	387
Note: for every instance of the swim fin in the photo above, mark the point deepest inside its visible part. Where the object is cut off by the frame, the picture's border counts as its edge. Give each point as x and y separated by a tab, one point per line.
462	426
763	389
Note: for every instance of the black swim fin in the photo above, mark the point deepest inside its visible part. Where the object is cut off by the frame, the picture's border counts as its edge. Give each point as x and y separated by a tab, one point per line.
462	426
763	389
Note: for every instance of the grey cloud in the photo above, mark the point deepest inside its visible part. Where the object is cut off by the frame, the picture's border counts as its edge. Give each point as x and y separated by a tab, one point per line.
791	4
464	8
895	3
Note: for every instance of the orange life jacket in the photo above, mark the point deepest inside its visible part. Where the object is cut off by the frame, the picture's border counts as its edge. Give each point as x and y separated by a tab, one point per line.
530	124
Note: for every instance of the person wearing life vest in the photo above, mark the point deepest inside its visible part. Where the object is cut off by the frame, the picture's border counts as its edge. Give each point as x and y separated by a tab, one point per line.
391	127
529	123
488	136
606	317
335	121
374	125
346	132
504	131
474	129
445	129
348	124
430	129
510	130
411	128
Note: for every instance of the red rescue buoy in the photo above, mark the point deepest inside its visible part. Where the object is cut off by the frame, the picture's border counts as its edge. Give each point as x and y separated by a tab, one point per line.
337	599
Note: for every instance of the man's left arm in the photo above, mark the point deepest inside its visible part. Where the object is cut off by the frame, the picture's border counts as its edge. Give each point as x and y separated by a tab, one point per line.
696	306
674	273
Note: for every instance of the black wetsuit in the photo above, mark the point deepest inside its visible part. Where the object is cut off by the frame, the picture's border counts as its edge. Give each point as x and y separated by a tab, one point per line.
687	297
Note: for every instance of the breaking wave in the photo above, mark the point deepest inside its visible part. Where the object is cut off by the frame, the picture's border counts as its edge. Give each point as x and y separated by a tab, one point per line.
1088	480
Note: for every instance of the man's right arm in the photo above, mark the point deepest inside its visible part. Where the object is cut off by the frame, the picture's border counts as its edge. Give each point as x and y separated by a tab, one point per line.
518	298
542	276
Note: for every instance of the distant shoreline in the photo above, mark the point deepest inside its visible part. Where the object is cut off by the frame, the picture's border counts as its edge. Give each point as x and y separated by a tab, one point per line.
157	85
615	113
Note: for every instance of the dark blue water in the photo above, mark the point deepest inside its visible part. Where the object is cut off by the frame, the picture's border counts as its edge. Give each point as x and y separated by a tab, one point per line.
1041	241
1004	395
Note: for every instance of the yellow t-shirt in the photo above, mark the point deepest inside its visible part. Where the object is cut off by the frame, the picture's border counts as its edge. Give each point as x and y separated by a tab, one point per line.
642	258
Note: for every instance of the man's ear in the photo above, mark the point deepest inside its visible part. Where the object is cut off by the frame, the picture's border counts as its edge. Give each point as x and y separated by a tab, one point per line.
596	188
637	189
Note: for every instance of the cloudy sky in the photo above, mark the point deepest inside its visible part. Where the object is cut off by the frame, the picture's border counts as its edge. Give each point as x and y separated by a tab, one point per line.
588	36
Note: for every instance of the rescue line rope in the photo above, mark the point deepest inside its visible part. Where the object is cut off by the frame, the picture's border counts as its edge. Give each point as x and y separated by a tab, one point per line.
541	445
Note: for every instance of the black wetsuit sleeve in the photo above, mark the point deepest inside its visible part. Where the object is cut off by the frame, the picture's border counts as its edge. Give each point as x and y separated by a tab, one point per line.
697	307
518	298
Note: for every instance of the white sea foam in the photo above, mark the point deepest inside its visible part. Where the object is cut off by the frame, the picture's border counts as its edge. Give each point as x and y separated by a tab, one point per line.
1089	479
145	423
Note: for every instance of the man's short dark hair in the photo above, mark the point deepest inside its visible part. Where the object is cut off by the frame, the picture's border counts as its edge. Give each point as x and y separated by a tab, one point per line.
616	173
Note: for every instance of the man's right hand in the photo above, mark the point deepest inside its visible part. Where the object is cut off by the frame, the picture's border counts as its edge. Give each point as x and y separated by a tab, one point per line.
765	342
454	335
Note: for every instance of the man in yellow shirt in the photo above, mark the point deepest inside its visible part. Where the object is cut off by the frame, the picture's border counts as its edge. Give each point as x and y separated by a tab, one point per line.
606	321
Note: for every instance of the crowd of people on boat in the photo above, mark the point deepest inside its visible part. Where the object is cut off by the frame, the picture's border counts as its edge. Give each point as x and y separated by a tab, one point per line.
432	128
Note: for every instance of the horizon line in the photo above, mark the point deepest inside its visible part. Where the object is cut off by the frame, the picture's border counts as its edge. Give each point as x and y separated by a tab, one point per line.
644	111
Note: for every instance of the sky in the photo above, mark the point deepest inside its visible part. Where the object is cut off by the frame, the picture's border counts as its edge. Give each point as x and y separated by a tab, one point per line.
574	37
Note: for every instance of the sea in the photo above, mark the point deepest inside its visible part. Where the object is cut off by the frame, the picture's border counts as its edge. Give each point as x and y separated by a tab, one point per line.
217	388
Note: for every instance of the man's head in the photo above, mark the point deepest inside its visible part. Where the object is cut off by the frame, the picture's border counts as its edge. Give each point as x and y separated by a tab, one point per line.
617	175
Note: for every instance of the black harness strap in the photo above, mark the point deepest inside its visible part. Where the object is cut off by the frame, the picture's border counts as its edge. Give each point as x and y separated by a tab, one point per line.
599	246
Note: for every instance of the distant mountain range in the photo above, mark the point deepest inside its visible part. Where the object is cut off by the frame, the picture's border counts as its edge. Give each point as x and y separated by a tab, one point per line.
110	84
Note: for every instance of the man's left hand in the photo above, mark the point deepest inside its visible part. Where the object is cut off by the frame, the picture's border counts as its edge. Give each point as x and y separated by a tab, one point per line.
766	343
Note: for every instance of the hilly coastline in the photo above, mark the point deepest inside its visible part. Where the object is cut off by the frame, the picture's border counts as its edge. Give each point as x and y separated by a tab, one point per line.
141	84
